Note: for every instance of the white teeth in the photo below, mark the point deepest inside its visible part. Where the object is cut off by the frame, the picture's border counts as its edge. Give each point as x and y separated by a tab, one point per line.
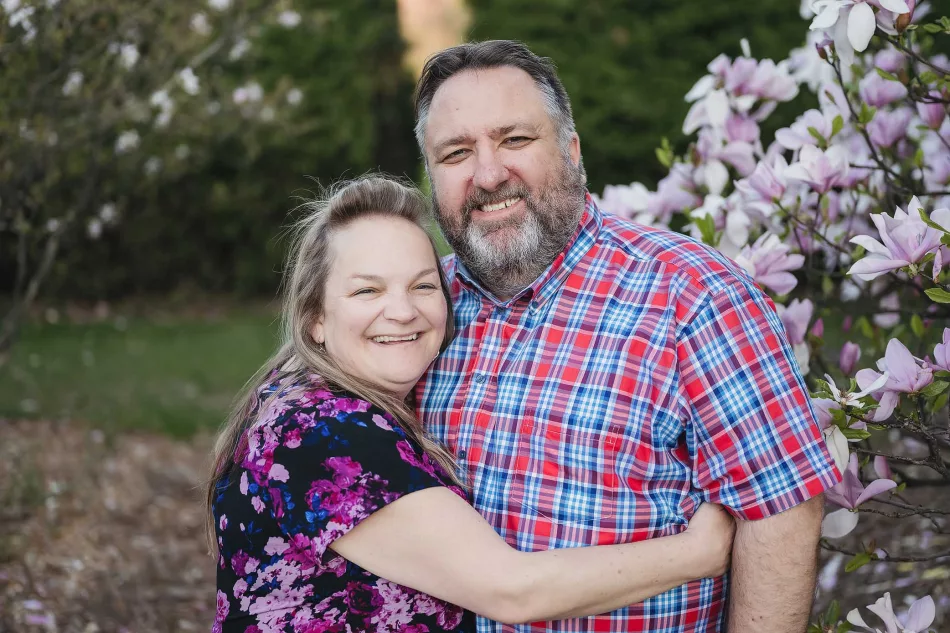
395	339
488	208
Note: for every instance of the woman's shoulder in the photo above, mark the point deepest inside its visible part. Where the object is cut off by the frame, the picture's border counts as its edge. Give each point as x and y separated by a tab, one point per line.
305	402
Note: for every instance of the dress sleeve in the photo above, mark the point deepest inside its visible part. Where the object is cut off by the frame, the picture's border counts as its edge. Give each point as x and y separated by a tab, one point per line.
334	465
753	437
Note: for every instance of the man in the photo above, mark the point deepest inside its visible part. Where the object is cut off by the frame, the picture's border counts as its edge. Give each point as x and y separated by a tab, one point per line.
606	378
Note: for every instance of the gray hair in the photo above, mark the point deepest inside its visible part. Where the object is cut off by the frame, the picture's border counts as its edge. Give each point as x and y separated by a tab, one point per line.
494	54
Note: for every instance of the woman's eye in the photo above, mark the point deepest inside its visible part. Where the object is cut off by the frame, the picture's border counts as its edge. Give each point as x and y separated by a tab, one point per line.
364	291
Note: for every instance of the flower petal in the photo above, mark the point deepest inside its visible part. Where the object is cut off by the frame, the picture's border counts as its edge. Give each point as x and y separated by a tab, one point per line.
876	487
826	17
921	615
839	523
861	24
897	6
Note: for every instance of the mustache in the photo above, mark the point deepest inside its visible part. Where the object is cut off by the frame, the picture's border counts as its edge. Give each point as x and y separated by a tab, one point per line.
480	197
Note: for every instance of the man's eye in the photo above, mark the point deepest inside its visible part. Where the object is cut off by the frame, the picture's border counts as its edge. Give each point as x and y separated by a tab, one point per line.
426	286
455	156
517	140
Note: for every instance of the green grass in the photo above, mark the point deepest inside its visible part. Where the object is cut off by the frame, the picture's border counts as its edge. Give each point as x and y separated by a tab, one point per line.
177	376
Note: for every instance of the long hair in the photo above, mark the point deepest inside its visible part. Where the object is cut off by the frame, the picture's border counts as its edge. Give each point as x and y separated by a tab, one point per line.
303	289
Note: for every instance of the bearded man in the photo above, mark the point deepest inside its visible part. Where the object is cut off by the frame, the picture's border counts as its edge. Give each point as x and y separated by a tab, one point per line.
606	377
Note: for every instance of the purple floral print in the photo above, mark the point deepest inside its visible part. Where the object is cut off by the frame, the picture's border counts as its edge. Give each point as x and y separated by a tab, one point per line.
312	465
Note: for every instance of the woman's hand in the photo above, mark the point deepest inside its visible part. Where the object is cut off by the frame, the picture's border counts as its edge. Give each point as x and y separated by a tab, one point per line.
713	530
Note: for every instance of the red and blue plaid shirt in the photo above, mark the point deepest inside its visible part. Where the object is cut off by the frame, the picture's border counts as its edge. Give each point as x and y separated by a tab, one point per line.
641	374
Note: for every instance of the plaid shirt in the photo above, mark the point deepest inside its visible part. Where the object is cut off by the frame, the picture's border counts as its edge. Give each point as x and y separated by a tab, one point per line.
641	374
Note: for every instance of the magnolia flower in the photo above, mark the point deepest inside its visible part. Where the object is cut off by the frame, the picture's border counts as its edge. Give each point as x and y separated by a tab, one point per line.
741	128
877	91
189	81
73	83
932	114
848	399
918	619
626	201
849	356
126	142
942	352
820	170
904	375
906	240
766	182
796	317
851	22
797	134
769	262
675	192
890	59
850	492
888	127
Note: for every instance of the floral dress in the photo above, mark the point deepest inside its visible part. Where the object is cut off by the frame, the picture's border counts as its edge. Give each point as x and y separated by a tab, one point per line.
313	465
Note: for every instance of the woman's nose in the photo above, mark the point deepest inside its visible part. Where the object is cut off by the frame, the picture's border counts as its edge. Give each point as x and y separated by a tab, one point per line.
400	307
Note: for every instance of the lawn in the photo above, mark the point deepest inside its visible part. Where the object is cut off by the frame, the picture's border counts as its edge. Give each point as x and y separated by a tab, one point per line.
176	375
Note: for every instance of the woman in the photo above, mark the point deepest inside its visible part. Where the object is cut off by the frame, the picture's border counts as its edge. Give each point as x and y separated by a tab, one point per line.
332	510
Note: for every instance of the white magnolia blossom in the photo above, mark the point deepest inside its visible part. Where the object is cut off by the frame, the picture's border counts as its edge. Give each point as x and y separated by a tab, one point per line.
189	81
200	24
240	47
219	5
73	83
52	225
108	213
153	165
294	96
288	19
248	93
127	142
94	228
851	23
129	55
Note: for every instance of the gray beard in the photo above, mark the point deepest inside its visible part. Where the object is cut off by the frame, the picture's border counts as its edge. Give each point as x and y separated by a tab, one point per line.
505	268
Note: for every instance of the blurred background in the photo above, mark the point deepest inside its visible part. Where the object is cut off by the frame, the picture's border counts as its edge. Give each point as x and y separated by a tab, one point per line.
151	153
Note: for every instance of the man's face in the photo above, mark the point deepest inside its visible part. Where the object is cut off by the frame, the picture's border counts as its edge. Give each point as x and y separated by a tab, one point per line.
506	195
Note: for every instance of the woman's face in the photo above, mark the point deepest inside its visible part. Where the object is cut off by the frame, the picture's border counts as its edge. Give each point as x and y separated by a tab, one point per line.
384	312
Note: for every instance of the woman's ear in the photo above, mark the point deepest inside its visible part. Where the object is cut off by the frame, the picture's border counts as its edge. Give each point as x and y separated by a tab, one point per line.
316	331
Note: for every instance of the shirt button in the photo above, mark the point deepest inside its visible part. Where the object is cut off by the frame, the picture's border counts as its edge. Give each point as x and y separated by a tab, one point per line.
463	454
479	378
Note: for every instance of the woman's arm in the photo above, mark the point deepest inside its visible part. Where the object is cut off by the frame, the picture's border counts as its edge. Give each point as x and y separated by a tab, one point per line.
433	541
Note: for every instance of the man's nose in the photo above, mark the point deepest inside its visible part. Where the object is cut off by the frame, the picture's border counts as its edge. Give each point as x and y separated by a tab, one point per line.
490	172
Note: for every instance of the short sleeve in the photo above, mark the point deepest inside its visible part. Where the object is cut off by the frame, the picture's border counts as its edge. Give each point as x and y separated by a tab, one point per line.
753	437
334	465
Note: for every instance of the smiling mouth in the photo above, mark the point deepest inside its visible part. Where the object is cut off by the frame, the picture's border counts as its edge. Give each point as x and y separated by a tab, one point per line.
396	339
498	206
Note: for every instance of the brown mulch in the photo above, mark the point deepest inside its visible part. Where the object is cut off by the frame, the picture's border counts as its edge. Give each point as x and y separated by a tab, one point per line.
99	535
106	535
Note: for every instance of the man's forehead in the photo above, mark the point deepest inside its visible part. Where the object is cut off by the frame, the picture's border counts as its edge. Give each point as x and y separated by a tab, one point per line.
481	101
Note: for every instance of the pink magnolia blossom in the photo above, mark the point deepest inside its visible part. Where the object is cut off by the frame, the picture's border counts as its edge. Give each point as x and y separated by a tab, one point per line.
796	317
906	240
742	128
675	192
938	264
888	127
626	201
797	135
904	375
768	261
942	352
849	356
850	492
918	619
766	182
877	91
933	114
890	59
821	170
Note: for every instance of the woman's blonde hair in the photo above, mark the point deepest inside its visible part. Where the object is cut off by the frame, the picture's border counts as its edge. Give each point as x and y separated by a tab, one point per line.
303	288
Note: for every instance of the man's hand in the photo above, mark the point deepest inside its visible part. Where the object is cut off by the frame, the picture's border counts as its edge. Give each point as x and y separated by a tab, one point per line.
774	565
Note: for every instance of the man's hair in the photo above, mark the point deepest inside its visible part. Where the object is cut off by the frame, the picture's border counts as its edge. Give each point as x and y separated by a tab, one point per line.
494	54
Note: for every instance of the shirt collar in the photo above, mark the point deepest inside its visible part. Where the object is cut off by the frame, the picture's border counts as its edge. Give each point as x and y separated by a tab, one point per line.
550	281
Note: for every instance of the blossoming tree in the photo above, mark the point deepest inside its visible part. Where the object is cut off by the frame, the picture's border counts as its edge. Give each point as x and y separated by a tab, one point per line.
844	218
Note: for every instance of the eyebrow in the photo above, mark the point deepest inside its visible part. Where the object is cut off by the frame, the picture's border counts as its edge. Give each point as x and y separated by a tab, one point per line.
378	279
494	133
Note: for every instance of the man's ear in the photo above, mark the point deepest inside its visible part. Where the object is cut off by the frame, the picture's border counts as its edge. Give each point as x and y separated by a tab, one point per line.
574	149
